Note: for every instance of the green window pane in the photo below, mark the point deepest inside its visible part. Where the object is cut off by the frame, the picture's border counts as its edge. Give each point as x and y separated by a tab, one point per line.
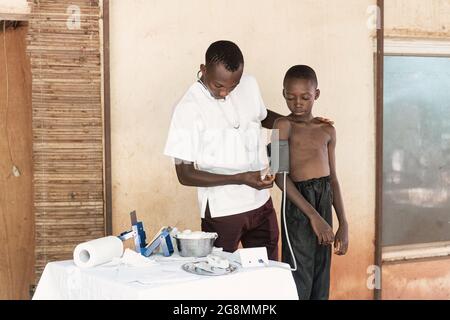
416	150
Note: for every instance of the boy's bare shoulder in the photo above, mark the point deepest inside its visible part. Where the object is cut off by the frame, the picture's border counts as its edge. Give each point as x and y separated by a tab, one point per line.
284	126
328	128
323	124
282	123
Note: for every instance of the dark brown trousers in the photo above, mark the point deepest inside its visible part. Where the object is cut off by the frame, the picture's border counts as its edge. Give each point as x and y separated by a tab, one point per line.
254	228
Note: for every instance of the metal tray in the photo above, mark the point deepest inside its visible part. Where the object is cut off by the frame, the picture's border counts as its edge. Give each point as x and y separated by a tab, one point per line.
192	267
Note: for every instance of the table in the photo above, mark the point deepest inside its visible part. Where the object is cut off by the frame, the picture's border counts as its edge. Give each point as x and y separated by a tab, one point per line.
165	280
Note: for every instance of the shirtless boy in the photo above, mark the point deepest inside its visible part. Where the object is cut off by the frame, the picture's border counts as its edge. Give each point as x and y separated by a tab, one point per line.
312	187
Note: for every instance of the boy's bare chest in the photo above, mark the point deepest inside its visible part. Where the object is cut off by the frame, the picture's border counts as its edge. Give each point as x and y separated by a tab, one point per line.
308	137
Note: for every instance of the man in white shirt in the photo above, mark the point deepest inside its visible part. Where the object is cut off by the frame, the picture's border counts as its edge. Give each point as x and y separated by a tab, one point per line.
215	138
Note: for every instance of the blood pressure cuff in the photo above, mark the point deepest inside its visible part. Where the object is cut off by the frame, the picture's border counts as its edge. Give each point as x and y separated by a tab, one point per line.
278	152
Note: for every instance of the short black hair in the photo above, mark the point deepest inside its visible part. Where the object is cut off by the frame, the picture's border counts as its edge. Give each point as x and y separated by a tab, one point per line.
301	71
226	53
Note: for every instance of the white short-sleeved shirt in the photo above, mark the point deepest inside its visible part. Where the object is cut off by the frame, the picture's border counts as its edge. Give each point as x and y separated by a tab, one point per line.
203	131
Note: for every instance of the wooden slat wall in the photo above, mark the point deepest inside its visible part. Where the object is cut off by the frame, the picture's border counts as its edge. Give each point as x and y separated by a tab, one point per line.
67	128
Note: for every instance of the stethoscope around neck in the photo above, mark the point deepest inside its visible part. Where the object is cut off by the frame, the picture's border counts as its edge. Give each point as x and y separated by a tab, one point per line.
199	80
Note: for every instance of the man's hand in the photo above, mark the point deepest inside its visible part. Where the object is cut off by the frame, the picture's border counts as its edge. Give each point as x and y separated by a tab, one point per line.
325	120
253	179
322	230
341	240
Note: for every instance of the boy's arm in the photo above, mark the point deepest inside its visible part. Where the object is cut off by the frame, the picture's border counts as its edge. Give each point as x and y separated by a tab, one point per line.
341	240
321	228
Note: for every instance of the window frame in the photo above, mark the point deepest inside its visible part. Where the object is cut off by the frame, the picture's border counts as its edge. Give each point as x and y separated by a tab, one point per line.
414	47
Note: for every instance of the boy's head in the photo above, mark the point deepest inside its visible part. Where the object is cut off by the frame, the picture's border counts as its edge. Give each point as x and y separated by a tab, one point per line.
300	89
223	68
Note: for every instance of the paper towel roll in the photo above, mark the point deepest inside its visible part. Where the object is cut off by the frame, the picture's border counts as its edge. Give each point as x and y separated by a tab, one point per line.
98	251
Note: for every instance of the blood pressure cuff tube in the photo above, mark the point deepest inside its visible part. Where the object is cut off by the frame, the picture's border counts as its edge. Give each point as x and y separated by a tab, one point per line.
278	152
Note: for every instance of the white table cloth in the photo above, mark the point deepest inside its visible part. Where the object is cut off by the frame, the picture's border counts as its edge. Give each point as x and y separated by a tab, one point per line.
165	280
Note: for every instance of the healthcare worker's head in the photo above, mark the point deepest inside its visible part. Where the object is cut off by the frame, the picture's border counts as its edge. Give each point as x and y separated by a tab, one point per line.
223	68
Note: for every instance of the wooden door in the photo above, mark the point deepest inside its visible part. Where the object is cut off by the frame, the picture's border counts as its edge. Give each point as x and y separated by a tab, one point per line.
16	214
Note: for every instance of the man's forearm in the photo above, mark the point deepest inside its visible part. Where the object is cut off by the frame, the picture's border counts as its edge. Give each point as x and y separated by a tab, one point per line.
270	119
189	176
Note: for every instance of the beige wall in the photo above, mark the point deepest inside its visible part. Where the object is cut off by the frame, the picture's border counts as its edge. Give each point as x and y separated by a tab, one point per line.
423	279
417	18
156	50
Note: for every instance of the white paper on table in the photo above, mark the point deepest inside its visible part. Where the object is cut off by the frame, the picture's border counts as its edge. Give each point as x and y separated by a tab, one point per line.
131	258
